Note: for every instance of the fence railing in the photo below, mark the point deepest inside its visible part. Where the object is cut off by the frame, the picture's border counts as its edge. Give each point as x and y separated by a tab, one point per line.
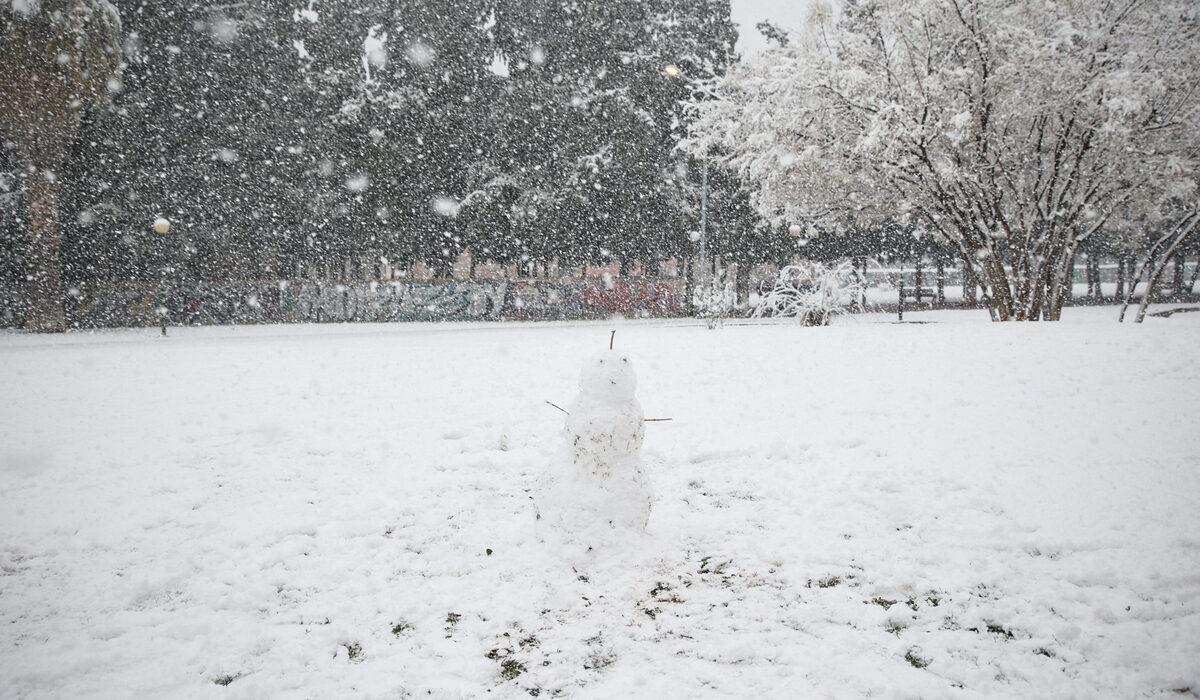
202	303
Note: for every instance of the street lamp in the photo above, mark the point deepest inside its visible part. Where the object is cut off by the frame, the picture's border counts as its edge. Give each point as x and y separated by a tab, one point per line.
161	226
703	216
675	71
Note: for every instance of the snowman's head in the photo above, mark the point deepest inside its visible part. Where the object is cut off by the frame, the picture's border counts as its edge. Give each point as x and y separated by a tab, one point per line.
608	377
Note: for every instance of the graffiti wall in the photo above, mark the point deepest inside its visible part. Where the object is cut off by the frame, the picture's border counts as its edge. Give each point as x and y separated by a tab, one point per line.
544	301
653	298
321	302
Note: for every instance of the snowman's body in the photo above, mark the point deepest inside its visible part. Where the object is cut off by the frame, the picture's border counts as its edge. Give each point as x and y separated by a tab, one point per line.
603	487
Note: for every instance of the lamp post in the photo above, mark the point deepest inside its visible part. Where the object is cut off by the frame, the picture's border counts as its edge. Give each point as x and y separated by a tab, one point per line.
162	226
675	71
797	232
703	218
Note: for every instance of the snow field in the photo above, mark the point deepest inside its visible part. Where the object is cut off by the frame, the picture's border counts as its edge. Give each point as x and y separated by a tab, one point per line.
951	509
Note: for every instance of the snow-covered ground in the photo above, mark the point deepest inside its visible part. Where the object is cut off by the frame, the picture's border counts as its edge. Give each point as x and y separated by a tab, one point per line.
947	509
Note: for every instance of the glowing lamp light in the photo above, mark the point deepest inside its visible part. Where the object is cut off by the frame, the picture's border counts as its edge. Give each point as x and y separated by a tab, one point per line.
671	69
161	225
794	230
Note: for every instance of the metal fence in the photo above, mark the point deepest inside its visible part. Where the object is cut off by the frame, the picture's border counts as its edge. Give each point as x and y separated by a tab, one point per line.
202	303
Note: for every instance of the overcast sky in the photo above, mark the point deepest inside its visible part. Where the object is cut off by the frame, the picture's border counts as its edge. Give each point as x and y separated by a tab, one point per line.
747	13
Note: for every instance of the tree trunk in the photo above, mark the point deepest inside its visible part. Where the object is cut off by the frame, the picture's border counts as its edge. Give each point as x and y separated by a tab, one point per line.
1061	288
941	281
1065	292
1092	270
743	283
997	294
1069	285
1156	271
689	274
1153	262
1177	282
970	287
1121	267
45	233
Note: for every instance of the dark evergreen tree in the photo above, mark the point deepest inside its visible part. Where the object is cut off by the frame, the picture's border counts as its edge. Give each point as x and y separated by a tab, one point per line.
284	138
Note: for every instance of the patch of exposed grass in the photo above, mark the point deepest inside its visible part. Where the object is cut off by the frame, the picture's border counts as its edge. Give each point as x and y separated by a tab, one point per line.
599	659
452	619
511	668
915	659
401	627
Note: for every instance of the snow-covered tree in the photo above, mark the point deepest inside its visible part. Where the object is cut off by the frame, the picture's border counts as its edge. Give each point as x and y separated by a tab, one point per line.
58	58
1014	130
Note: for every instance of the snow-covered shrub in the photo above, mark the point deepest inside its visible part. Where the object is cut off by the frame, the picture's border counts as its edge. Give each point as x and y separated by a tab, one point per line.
812	293
714	301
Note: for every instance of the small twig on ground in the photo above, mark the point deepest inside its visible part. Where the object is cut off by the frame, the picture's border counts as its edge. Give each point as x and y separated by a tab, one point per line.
656	420
559	407
611	338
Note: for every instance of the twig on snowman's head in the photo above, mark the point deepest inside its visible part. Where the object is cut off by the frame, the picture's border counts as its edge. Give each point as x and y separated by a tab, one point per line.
559	408
611	338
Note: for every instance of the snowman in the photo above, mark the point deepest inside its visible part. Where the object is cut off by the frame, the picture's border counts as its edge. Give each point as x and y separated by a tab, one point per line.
598	487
